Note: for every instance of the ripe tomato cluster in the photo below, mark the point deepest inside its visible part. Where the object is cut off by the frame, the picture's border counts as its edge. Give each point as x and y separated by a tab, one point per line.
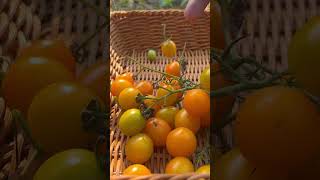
43	85
152	118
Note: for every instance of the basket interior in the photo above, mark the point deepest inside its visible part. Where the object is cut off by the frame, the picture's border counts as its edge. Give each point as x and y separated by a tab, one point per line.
132	33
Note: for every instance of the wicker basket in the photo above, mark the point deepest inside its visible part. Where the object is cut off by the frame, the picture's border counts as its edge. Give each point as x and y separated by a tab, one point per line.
132	34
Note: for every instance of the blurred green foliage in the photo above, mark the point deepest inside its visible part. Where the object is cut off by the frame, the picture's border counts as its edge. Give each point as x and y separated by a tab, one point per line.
147	4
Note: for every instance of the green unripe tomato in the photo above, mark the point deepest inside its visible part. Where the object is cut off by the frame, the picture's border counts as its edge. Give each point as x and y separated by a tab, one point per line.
152	54
132	122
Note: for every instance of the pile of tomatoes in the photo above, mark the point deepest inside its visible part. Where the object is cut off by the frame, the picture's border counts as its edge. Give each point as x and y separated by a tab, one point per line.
157	120
43	85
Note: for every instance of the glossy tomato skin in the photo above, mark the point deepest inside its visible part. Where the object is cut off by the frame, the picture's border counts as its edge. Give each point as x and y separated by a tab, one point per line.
168	48
127	98
222	105
77	164
217	35
197	102
278	117
95	78
54	116
158	130
168	114
173	69
126	76
179	165
205	79
27	77
205	169
303	55
145	87
181	142
54	49
136	170
184	119
118	85
132	122
233	166
169	100
139	148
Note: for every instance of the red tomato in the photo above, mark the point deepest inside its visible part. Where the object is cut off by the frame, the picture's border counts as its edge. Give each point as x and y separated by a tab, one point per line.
173	69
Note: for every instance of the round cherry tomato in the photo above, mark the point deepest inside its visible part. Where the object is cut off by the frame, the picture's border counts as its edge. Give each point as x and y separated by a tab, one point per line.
183	119
181	142
205	79
205	121
168	114
278	117
127	98
197	102
136	170
303	55
205	169
217	35
173	69
139	148
54	117
157	130
152	55
27	77
94	77
118	85
77	164
126	76
131	122
152	103
52	49
145	87
222	106
168	48
168	100
179	165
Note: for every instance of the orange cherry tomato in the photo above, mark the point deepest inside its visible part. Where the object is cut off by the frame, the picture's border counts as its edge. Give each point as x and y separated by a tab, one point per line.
173	69
205	121
118	85
53	49
136	170
280	117
177	86
139	148
26	77
152	103
168	114
158	130
179	165
169	100
126	76
127	98
183	119
94	78
181	142
197	102
145	87
168	48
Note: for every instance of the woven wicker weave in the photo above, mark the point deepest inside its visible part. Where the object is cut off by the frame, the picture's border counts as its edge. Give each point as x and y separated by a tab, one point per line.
133	33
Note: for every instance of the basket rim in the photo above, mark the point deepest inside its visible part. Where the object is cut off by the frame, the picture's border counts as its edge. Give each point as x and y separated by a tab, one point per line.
206	12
